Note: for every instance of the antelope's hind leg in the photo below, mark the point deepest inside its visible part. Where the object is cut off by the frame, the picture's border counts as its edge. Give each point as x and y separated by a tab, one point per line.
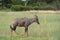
13	32
16	32
13	29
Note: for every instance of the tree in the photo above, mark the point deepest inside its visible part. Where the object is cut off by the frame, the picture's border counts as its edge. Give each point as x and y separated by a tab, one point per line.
57	4
7	3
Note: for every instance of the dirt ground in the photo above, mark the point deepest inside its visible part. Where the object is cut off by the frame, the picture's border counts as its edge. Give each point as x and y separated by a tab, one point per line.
37	11
44	11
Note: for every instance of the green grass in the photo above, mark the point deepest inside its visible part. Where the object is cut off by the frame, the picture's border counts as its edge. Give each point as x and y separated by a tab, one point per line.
49	28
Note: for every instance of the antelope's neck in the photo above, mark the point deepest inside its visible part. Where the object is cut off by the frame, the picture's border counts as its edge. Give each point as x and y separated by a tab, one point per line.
32	20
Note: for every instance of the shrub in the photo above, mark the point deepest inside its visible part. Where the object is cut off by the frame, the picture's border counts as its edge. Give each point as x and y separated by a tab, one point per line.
21	7
48	7
16	7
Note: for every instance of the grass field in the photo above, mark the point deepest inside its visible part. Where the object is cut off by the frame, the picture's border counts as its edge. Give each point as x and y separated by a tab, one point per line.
49	28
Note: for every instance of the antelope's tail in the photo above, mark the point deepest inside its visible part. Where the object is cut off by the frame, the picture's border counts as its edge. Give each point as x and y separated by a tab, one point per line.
11	27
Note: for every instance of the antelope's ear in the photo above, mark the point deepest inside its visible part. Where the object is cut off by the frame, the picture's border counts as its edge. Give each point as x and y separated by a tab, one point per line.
36	16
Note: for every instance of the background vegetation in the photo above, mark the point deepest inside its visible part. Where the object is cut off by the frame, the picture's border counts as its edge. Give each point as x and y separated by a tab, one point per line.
19	5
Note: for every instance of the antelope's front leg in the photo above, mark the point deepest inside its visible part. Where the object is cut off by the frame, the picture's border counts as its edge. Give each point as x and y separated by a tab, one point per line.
26	31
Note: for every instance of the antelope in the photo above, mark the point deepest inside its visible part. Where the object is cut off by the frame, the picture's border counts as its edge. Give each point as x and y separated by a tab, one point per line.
23	22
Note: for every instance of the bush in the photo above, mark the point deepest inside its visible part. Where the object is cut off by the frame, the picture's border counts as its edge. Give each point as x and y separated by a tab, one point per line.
0	7
21	7
36	7
16	7
47	7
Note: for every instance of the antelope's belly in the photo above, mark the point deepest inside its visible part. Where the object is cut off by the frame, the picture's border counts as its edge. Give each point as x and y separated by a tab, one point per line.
20	25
